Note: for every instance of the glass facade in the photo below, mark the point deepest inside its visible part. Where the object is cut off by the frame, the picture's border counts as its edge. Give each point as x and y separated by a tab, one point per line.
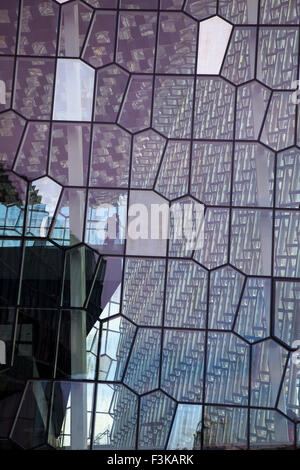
112	341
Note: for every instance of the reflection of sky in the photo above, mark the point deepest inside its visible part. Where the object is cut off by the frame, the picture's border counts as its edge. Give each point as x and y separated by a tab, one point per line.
186	422
73	91
9	243
12	218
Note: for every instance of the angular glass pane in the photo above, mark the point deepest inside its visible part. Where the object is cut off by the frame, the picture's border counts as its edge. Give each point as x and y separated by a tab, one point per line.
71	419
7	330
79	271
186	429
183	358
286	256
143	291
30	428
110	89
284	12
214	35
252	102
69	219
251	232
171	4
9	23
269	429
115	429
112	307
268	361
225	290
201	9
38	28
185	295
279	127
32	157
34	87
277	57
148	147
13	192
106	292
106	220
139	4
43	199
117	336
172	108
142	373
177	40
176	162
99	48
253	320
227	373
74	86
75	20
110	156
239	63
287	312
10	259
35	347
156	413
289	402
288	176
211	172
225	428
42	275
217	96
102	3
69	153
185	227
136	109
253	177
11	130
239	11
6	81
136	41
215	247
78	345
148	221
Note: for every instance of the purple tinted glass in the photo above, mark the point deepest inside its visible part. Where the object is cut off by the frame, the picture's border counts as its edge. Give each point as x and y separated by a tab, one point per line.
34	87
177	41
111	86
136	41
32	158
136	109
69	142
110	156
99	49
38	29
